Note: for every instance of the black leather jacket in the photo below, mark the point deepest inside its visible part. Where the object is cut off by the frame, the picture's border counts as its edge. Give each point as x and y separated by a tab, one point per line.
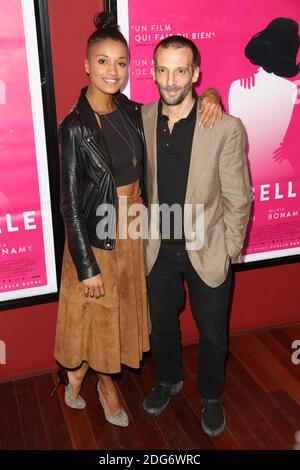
87	180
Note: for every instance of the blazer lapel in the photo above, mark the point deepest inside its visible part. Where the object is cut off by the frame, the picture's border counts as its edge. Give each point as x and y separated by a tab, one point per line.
149	114
200	147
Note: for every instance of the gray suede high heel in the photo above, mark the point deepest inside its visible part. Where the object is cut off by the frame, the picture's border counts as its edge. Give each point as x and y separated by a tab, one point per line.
62	378
119	418
77	403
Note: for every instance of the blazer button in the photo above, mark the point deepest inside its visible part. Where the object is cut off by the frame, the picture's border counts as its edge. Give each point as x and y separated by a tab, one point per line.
88	139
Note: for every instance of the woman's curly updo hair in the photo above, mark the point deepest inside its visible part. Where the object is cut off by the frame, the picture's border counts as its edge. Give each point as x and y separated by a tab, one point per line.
106	28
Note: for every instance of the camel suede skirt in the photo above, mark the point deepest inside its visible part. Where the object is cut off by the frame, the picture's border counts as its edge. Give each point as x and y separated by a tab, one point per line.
113	329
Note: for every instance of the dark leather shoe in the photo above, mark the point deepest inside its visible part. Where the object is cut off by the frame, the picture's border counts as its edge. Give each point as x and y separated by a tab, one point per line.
157	400
213	417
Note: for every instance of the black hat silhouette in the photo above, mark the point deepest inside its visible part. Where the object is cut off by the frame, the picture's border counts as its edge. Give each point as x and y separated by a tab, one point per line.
275	48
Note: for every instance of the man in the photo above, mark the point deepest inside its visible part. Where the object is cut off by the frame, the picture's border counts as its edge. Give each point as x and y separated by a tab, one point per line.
189	166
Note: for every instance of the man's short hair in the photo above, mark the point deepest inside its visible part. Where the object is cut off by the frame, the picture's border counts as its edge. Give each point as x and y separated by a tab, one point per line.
177	42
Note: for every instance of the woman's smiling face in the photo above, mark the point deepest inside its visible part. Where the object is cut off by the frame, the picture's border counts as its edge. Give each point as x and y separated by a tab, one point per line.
107	65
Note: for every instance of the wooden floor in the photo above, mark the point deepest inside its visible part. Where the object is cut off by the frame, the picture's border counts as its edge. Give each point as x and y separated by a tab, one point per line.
262	398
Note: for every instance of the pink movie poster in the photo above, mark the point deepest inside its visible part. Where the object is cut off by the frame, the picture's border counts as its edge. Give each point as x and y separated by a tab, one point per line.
258	85
22	243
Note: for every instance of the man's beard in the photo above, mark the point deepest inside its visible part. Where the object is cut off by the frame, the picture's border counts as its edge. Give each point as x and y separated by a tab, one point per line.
179	98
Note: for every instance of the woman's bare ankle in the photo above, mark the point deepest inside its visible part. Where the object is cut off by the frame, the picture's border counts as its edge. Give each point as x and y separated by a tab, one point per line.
76	379
108	394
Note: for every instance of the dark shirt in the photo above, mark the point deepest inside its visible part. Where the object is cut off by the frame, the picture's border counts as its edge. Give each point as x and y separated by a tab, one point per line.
121	148
173	162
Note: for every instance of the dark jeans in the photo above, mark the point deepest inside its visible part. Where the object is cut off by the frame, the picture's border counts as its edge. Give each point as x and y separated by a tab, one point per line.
209	307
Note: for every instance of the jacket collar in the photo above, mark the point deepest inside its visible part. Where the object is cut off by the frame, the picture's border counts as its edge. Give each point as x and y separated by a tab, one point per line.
90	123
86	113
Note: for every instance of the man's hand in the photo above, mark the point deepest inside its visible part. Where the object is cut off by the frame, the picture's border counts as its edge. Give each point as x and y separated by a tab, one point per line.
93	287
210	109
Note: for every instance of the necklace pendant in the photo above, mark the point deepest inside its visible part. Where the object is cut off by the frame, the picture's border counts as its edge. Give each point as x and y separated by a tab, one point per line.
134	160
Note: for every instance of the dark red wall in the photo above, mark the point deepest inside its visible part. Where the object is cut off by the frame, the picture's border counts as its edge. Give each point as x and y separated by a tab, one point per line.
71	23
262	298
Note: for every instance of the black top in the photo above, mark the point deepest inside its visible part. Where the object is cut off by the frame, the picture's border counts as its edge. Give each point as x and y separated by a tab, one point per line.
173	162
124	146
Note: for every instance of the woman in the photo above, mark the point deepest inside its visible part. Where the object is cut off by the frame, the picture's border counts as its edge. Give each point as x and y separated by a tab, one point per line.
103	311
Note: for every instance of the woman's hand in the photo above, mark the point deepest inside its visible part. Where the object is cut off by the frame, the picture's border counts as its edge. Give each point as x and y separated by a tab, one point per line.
248	82
210	109
93	287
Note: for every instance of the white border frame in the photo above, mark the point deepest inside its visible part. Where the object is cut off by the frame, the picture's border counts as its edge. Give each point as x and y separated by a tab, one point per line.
30	32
